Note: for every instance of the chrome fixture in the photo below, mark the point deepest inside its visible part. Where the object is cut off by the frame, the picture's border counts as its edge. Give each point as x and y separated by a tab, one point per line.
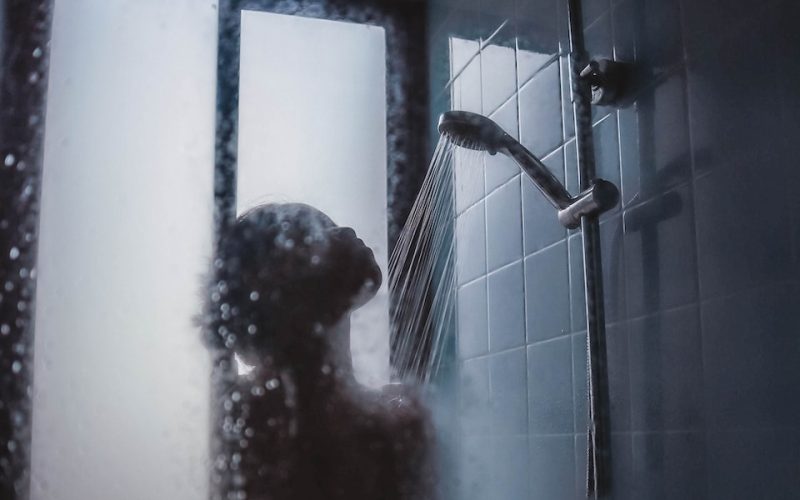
474	131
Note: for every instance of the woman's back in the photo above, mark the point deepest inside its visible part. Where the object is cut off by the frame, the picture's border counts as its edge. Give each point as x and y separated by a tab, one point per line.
335	443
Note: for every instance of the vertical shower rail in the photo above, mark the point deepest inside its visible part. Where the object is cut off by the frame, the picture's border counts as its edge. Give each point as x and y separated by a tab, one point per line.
598	438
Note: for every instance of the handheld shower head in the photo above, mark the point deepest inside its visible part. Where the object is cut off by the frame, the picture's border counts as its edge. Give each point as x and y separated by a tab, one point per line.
473	131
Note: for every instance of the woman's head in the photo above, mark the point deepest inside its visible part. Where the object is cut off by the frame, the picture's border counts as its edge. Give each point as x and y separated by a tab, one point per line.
285	274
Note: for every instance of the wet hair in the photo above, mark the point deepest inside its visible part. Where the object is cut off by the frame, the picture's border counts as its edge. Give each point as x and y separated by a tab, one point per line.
282	275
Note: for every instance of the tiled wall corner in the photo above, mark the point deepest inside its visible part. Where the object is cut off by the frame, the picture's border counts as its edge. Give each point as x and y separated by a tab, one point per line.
701	261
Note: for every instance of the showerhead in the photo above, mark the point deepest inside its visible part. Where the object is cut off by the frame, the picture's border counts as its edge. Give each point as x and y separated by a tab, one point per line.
473	131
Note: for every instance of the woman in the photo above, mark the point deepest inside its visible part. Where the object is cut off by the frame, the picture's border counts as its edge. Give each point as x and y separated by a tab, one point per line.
299	426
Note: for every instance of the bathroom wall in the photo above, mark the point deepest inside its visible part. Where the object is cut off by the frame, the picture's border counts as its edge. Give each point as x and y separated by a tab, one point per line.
701	259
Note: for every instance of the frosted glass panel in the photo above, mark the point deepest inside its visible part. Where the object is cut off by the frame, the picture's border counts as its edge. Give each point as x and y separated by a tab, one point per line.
312	129
121	382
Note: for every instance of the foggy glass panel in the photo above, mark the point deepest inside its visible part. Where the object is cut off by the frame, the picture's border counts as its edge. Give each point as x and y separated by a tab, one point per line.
312	129
121	381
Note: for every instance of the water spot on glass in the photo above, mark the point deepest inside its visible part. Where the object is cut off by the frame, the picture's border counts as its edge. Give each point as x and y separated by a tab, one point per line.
272	384
8	286
13	253
5	329
11	445
9	160
21	306
254	296
257	390
37	52
236	396
326	369
315	260
251	329
33	77
16	367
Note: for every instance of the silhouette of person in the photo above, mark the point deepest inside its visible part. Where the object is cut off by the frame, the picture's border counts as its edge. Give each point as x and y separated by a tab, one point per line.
286	281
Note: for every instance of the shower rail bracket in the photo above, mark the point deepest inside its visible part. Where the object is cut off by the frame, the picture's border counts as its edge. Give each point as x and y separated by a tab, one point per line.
601	197
607	80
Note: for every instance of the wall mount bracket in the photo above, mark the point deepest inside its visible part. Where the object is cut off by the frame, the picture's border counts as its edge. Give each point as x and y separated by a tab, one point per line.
607	80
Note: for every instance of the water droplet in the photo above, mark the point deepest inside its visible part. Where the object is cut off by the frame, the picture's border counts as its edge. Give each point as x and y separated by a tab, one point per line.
37	52
326	369
272	384
254	295
12	445
13	253
9	286
33	77
251	329
9	160
236	396
257	391
5	329
315	260
16	367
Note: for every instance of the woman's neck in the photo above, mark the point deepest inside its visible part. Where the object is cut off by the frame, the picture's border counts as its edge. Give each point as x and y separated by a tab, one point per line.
328	371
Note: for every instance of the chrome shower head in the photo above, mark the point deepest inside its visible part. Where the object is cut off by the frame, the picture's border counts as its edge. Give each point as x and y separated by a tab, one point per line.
473	131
